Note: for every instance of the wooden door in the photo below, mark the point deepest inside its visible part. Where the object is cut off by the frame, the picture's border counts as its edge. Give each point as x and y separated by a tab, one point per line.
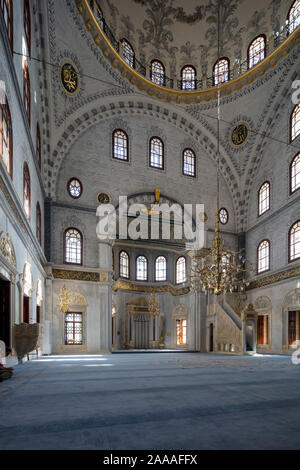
292	327
25	309
5	322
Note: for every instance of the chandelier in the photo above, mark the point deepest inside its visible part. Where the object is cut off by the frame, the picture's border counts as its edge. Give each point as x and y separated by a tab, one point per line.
218	269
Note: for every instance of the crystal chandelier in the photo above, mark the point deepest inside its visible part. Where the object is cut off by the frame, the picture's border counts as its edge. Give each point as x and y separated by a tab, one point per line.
218	269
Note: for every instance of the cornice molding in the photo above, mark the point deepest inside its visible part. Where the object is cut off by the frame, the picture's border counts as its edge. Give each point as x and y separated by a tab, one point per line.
179	96
274	278
130	286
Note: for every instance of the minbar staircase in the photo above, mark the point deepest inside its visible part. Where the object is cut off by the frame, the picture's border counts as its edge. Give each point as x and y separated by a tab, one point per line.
228	332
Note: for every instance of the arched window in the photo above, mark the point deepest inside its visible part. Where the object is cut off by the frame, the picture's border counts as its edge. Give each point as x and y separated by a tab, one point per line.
257	50
38	146
120	145
188	78
295	174
128	53
161	269
157	73
221	71
295	123
26	91
263	256
6	143
181	270
294	16
38	223
188	163
124	265
156	153
6	7
264	198
72	246
294	241
26	191
27	25
141	268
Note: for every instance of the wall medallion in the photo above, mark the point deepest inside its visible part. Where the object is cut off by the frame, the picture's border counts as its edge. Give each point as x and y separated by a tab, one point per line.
69	77
240	134
103	198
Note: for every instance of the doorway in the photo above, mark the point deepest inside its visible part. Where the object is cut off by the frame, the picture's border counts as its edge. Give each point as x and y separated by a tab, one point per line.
141	325
294	327
5	322
25	309
211	337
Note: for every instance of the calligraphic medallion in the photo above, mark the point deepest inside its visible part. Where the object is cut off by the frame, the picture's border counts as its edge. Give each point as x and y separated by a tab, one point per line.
69	77
240	134
103	198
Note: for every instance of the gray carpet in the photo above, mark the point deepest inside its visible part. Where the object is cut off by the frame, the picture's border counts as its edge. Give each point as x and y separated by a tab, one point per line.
152	401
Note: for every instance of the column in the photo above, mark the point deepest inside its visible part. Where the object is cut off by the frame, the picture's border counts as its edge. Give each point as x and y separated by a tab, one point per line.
105	288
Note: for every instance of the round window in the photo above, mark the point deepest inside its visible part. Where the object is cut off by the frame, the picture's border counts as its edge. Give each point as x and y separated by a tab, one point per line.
74	188
223	216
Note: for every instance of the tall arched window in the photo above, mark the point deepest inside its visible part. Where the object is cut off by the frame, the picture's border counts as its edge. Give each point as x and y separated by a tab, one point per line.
221	71
157	72
294	241
295	174
6	7
156	153
257	50
264	198
26	191
188	163
38	146
120	145
181	270
263	256
295	123
6	142
124	265
128	53
26	91
141	268
27	25
161	269
38	223
294	16
72	246
188	78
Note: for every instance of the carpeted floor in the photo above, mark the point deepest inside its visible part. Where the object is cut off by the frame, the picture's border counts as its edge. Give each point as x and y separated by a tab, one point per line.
152	401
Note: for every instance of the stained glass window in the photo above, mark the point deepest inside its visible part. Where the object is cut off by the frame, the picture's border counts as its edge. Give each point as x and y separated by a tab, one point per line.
263	256
161	269
256	51
141	268
73	246
264	198
120	145
189	163
73	328
156	153
181	270
294	241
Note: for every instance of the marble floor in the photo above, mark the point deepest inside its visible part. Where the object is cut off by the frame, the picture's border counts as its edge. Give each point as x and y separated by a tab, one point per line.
157	401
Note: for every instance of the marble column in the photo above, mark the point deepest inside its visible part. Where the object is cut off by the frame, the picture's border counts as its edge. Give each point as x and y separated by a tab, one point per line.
105	288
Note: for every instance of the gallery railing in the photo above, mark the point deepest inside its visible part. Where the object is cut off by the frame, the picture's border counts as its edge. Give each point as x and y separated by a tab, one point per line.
239	68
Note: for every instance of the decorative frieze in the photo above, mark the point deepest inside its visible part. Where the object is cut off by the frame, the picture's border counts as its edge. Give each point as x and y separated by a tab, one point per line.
142	288
75	275
281	276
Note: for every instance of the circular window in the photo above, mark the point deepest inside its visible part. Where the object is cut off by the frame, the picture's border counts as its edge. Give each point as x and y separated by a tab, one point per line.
74	188
223	216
